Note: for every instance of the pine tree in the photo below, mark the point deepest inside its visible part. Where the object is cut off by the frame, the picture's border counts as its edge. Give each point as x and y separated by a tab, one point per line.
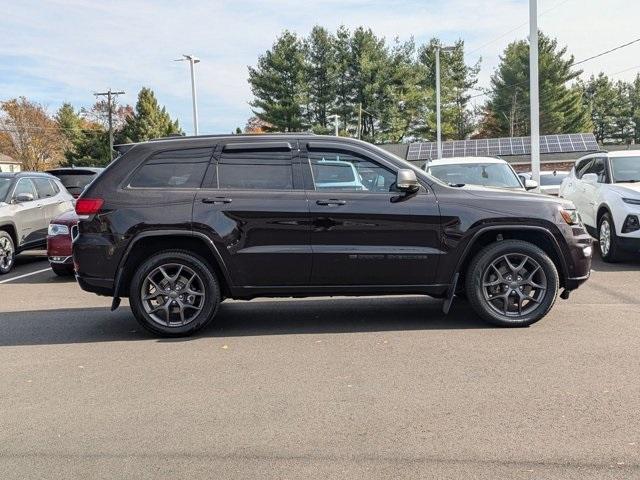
87	142
277	83
611	108
320	78
148	121
562	109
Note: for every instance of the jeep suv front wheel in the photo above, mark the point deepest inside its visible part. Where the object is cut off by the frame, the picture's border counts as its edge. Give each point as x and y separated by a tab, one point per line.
512	283
174	293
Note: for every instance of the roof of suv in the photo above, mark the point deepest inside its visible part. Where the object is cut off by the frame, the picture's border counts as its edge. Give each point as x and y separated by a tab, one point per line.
24	174
463	160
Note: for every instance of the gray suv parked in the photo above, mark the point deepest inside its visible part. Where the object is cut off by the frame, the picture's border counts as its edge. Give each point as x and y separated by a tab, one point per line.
28	202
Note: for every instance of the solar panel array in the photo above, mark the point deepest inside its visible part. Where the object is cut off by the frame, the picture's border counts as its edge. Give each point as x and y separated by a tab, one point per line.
503	147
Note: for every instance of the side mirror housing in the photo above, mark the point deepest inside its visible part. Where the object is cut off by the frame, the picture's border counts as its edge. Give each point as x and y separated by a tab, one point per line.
23	197
407	181
530	184
590	178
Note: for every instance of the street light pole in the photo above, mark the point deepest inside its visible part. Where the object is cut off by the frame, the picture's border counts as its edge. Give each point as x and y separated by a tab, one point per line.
192	60
534	90
438	119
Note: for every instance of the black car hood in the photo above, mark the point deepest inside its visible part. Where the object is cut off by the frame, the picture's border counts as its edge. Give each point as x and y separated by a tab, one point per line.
510	201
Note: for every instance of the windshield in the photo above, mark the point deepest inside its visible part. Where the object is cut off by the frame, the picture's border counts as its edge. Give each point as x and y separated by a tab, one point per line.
625	169
485	174
552	180
75	182
5	183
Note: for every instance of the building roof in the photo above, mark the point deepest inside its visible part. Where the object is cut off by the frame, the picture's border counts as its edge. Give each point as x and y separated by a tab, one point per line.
7	159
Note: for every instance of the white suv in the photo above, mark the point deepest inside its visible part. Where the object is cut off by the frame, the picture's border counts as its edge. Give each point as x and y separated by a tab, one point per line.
605	187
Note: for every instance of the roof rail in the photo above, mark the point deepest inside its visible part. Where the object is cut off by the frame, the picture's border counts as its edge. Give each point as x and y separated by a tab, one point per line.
221	135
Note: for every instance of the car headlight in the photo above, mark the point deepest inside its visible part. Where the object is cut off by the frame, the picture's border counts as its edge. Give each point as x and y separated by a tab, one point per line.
57	229
570	216
631	201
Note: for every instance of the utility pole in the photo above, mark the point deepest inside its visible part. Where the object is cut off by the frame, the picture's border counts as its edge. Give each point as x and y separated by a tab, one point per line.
192	60
110	94
438	119
533	90
360	121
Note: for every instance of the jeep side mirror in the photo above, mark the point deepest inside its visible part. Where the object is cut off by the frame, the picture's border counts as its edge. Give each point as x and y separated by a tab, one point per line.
23	197
530	184
590	178
407	181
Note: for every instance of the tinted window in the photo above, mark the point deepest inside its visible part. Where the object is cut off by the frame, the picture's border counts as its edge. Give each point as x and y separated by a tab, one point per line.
582	166
598	167
44	187
24	185
255	170
75	182
173	169
345	171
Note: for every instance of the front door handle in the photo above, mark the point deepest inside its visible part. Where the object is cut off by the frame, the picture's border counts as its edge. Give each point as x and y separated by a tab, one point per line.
331	202
216	200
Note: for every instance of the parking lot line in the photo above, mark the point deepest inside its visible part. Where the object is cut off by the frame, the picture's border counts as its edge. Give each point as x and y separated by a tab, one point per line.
25	275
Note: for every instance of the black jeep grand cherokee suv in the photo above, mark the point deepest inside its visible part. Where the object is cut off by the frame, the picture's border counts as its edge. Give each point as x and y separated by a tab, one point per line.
179	224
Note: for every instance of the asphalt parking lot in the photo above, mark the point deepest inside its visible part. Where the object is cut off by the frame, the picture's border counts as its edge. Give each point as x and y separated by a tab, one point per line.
319	388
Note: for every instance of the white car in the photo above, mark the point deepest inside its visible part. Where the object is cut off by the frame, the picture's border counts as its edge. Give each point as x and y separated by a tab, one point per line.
549	180
484	171
605	187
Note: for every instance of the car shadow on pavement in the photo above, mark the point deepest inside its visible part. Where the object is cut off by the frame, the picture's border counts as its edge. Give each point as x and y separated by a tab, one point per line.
629	264
237	319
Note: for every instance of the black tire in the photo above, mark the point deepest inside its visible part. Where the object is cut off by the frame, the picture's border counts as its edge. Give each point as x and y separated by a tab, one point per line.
609	250
208	286
7	252
490	306
62	270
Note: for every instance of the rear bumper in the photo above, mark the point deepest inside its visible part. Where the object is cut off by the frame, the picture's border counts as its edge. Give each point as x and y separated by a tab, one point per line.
99	286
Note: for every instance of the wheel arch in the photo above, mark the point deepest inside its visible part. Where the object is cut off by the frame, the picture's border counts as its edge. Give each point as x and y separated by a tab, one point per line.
536	235
10	228
148	243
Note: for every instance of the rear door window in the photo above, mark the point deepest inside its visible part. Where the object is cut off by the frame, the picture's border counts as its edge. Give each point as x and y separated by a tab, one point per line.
173	169
44	187
256	169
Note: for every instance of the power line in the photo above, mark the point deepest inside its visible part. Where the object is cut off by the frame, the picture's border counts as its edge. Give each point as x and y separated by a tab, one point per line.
515	28
109	94
608	51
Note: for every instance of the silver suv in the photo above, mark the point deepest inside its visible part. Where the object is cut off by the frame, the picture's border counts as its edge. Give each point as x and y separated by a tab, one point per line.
28	202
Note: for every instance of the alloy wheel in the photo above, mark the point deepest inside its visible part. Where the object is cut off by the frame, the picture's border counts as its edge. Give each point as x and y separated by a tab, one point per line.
605	237
172	295
6	253
514	284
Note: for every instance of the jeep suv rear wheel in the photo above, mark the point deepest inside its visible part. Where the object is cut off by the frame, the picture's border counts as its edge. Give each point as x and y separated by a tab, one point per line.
174	293
512	283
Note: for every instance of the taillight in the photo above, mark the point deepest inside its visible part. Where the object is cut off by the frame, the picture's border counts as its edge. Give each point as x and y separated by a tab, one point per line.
88	206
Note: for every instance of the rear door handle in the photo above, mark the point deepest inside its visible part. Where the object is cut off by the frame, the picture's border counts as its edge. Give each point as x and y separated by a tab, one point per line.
217	200
331	202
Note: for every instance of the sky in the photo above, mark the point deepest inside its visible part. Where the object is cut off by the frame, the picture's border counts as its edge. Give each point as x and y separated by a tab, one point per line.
59	51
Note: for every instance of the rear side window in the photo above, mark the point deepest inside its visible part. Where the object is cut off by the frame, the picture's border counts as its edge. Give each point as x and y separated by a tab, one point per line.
255	170
44	187
173	169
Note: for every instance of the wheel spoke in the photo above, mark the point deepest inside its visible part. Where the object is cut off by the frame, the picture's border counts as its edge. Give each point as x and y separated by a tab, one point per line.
509	264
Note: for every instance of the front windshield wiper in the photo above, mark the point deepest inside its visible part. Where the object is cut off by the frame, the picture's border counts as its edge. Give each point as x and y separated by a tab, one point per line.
457	184
627	181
